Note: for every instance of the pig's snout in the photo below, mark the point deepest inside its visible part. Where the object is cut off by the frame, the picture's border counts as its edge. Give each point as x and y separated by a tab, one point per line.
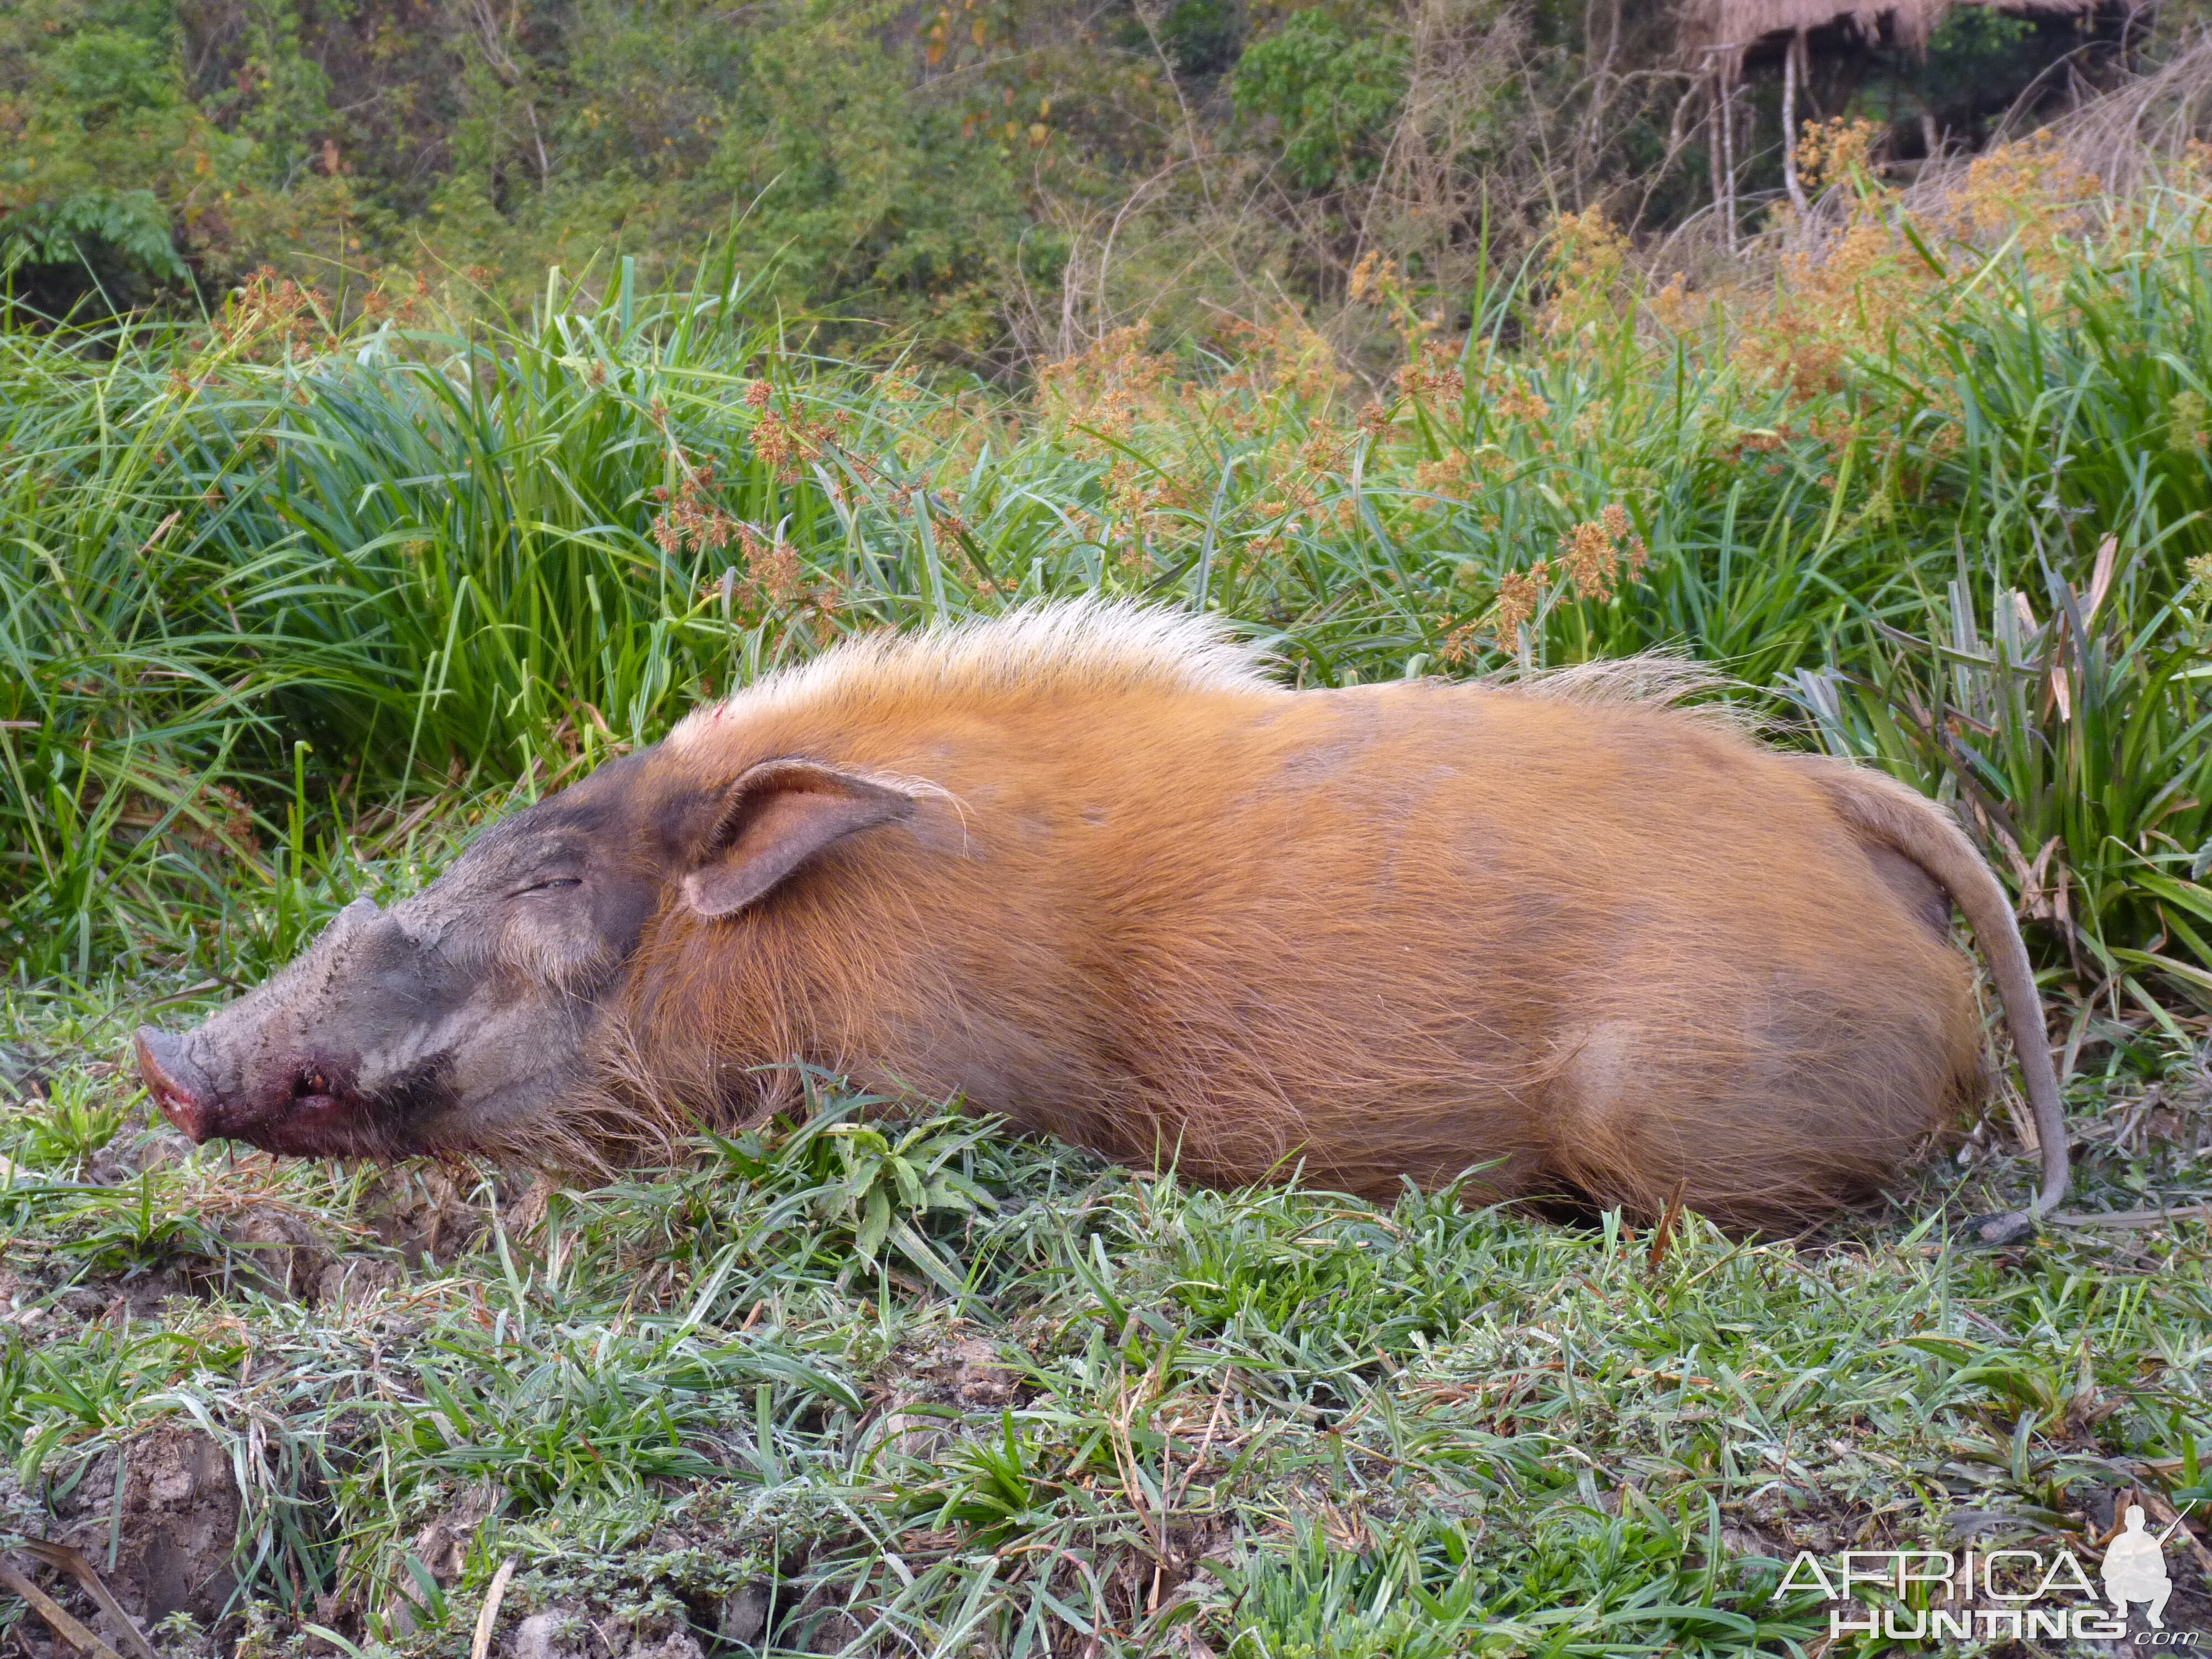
186	1098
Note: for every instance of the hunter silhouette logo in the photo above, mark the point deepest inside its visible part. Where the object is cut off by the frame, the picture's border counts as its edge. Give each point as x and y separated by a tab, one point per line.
2134	1568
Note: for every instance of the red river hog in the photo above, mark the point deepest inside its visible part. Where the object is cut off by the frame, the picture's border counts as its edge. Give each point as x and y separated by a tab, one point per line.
1087	865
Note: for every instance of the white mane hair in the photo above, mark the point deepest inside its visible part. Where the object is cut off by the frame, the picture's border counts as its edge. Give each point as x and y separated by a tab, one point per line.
1081	645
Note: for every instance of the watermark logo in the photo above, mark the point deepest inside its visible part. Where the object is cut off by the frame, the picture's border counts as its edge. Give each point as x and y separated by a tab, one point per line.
2134	1568
2013	1594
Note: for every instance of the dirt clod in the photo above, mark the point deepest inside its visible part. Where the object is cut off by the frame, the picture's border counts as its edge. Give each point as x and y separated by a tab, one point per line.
557	1633
744	1616
562	1632
173	1531
287	1252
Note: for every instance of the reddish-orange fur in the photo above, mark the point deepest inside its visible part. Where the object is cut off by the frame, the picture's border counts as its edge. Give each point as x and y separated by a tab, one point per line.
1389	931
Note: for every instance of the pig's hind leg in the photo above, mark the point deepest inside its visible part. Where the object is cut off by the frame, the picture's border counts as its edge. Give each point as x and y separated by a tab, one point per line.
1757	1128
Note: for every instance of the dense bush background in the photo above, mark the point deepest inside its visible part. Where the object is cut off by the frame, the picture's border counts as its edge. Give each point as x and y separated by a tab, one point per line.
998	179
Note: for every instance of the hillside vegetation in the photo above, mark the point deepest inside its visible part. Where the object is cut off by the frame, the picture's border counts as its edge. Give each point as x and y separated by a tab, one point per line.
293	597
1933	488
997	181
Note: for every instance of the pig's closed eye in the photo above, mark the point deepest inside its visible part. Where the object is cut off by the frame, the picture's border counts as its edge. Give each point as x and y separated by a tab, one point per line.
550	885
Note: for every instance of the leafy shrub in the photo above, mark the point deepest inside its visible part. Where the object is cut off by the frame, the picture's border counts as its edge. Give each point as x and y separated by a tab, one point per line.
1331	95
94	116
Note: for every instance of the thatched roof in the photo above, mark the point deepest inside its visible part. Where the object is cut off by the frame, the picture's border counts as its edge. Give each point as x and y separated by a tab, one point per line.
1732	26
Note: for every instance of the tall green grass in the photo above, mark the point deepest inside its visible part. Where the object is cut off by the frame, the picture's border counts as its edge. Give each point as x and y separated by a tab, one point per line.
2052	675
431	559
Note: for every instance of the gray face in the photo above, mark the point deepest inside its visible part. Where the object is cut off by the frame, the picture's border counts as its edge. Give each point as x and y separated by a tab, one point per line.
460	1020
447	1023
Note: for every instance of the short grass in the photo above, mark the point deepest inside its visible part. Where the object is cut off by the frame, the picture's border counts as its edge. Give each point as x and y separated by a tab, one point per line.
910	1387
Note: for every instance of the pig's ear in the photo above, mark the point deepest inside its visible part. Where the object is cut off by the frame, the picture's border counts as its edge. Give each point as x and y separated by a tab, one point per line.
780	814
